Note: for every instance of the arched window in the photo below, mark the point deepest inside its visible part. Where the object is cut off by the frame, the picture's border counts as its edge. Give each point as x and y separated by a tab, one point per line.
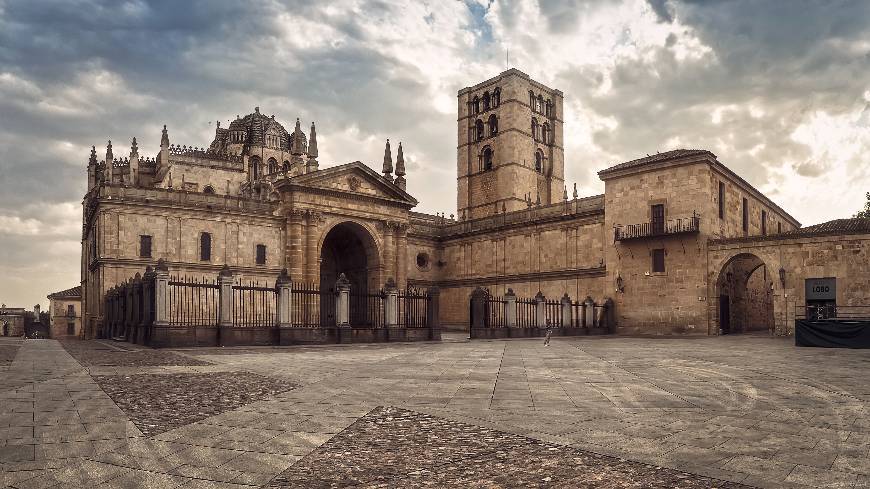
531	100
545	133
486	159
496	97
549	108
535	128
539	161
285	166
486	101
208	189
493	125
273	166
255	167
478	126
540	104
475	105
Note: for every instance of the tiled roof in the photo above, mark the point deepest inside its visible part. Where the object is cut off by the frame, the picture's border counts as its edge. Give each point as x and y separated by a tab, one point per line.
75	292
667	155
855	225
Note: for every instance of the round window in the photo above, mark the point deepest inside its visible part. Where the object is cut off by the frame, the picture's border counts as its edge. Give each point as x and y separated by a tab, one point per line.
422	260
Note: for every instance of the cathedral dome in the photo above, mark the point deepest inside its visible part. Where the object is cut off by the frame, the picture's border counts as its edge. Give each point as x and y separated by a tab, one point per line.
256	129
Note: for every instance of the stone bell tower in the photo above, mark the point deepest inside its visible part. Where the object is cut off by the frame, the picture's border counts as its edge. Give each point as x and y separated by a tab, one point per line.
510	145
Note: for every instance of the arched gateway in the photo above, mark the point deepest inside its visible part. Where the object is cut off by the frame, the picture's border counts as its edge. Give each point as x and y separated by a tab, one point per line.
350	249
745	291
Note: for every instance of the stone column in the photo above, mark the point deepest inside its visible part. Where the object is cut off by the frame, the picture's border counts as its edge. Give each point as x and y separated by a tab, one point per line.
283	285
402	255
389	252
342	301
295	257
225	297
566	311
510	309
391	303
312	271
589	312
540	310
148	299
161	294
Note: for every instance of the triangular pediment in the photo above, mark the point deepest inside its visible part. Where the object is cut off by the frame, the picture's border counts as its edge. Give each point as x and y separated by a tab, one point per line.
352	178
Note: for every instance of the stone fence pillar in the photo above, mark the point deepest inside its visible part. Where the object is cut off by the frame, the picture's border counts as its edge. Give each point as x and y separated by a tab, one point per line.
599	316
540	310
510	309
432	319
284	289
589	312
342	301
161	294
478	317
391	303
566	311
225	297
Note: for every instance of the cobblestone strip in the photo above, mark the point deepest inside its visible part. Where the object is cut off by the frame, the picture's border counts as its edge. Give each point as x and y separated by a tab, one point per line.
392	447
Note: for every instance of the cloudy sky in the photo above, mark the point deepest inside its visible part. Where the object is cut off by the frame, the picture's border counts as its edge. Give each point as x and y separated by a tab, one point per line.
779	90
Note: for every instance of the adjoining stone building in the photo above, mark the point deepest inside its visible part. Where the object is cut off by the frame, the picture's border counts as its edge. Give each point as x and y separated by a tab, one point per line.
671	241
65	310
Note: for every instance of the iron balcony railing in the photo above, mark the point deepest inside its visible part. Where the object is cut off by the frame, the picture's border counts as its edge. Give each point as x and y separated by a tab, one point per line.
658	227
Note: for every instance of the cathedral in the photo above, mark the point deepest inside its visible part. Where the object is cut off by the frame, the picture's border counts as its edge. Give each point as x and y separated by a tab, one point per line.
678	242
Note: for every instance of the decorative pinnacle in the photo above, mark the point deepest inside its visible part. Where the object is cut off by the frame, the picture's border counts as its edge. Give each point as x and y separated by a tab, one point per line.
164	138
93	160
575	190
109	155
134	148
388	160
400	162
312	143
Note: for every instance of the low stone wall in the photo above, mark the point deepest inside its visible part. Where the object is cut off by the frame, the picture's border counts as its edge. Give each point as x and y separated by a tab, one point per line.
188	336
499	333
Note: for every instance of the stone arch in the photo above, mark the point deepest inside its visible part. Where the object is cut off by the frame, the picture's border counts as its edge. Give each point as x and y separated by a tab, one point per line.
744	287
349	247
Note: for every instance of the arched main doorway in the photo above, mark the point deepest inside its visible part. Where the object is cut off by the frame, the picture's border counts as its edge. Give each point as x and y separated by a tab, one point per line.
745	295
350	249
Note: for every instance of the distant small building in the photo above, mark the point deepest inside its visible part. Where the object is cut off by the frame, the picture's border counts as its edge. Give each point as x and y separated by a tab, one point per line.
11	320
65	308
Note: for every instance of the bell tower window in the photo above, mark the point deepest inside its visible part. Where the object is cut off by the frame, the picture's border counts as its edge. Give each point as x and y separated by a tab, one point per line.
486	159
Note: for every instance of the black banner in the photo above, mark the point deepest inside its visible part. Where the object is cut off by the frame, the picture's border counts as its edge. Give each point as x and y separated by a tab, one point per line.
832	333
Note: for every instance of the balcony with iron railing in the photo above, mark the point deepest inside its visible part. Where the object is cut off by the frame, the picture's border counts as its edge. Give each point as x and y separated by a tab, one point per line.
657	228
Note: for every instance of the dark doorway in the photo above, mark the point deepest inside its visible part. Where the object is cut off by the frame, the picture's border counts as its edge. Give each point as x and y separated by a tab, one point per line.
725	314
344	252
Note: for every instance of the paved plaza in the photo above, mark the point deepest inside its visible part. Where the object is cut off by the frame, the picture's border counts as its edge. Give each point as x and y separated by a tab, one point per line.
583	412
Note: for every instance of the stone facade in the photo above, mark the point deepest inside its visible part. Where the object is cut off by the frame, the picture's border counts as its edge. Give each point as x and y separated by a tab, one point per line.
65	312
672	239
12	320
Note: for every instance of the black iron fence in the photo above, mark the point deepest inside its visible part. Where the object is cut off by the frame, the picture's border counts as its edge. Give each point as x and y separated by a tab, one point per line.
413	308
312	307
832	312
510	311
254	305
193	301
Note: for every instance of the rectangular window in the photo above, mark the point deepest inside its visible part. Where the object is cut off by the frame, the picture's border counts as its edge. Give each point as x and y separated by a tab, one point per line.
721	200
657	218
764	222
70	310
778	228
261	254
658	260
205	247
745	215
144	246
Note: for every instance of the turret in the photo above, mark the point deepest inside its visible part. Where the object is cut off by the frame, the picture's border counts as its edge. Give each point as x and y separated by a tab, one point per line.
109	159
297	144
92	168
388	162
400	168
133	175
312	151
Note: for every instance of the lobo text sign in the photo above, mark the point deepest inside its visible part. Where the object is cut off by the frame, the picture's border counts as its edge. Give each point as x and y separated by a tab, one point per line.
821	289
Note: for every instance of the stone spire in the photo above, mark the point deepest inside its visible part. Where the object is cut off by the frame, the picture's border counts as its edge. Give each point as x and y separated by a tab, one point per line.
388	162
164	138
575	191
133	175
92	168
400	168
109	159
311	165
